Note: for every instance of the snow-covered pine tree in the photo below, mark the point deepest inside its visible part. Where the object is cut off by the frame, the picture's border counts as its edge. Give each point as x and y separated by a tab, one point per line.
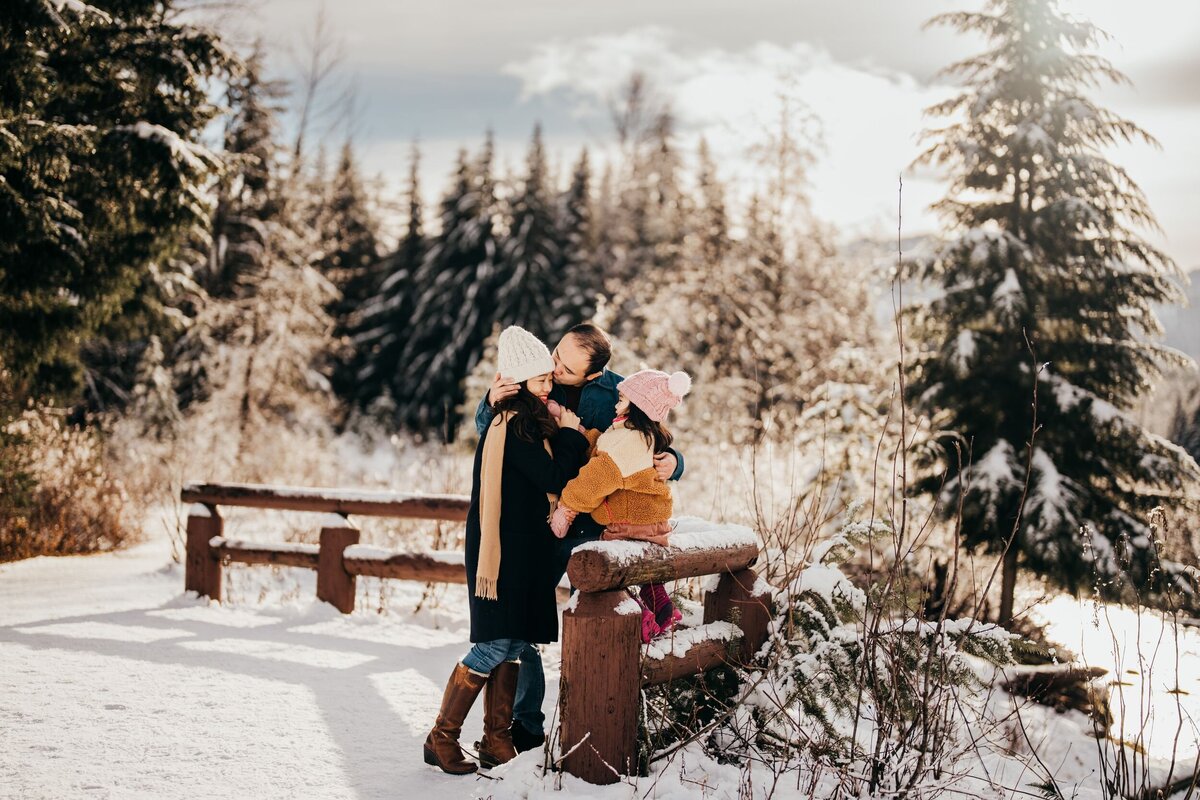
581	276
648	222
528	282
351	261
245	201
384	325
759	321
256	348
350	257
233	259
101	114
1044	248
712	224
455	303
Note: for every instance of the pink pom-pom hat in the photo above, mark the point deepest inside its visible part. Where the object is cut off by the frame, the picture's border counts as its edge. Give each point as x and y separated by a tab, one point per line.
654	392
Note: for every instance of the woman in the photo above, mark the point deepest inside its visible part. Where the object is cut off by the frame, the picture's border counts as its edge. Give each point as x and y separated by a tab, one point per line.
524	459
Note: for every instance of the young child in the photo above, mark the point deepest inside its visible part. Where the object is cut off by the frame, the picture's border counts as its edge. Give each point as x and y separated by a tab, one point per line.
619	487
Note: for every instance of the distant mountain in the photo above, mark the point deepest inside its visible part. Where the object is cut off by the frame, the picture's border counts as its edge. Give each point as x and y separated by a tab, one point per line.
1182	323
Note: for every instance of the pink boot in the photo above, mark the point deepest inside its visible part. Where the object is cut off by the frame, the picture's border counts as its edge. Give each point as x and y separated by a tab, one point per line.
654	596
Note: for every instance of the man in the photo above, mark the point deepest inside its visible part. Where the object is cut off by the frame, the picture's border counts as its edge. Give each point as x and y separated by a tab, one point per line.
583	384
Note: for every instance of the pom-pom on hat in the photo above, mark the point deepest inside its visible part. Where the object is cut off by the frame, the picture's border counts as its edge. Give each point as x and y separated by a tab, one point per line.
654	392
522	355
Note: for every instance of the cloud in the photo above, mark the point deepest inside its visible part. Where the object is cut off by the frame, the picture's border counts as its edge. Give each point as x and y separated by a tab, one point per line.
869	117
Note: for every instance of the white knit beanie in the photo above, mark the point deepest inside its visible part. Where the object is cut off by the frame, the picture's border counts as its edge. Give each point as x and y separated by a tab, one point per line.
522	355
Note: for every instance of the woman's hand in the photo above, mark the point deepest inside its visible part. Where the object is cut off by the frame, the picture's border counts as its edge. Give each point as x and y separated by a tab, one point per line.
568	419
561	519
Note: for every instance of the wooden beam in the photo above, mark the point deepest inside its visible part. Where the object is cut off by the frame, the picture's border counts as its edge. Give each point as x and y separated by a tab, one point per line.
335	585
744	599
601	566
690	651
438	566
599	687
275	554
202	569
452	507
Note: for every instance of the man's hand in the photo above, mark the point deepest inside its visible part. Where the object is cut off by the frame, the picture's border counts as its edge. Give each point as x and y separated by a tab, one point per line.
664	465
502	389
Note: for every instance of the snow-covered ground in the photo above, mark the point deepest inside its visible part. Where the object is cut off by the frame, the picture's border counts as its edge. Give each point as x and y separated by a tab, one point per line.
113	684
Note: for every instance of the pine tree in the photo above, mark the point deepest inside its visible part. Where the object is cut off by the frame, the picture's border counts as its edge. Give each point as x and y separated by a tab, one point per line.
258	346
245	199
1046	287
350	261
234	259
351	254
102	114
581	279
455	303
385	323
713	224
643	214
528	280
760	322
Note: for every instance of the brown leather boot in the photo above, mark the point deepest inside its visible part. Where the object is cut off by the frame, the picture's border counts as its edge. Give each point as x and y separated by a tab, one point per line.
441	745
496	747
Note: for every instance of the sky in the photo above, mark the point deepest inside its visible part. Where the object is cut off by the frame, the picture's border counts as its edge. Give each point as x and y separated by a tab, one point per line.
444	72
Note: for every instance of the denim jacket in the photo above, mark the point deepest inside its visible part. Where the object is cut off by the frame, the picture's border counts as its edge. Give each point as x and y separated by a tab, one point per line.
597	409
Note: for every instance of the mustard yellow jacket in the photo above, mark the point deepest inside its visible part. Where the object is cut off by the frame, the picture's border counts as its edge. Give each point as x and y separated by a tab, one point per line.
618	483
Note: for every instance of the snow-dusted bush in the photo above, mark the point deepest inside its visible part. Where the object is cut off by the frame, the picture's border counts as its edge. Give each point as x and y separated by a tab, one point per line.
856	681
58	497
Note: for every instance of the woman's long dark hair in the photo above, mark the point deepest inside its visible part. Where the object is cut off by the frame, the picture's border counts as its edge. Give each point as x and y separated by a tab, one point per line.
657	435
532	421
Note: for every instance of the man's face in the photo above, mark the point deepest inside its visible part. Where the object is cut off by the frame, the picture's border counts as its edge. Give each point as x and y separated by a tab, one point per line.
570	362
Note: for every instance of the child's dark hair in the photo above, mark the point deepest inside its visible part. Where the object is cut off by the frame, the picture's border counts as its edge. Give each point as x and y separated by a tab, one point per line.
532	421
656	433
595	343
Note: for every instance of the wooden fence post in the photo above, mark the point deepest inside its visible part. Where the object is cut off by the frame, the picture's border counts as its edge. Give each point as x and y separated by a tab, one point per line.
600	686
335	585
202	566
740	599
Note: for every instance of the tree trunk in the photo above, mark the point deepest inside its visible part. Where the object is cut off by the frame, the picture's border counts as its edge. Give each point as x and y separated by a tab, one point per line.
1008	583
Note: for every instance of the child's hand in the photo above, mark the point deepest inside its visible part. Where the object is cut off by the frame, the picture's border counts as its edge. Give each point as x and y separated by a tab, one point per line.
554	408
561	519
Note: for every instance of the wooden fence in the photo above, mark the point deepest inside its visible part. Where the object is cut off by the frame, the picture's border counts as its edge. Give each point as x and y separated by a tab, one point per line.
604	664
338	559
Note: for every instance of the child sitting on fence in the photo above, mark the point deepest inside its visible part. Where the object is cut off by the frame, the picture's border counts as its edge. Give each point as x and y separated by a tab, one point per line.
619	487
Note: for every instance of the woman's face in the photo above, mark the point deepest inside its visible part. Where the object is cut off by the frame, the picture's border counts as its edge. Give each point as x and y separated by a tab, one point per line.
622	404
541	385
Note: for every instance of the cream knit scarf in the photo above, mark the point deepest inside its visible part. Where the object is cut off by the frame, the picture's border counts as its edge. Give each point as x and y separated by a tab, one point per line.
491	469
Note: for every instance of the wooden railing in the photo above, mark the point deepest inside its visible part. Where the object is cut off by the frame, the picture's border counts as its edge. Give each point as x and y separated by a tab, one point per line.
338	559
604	663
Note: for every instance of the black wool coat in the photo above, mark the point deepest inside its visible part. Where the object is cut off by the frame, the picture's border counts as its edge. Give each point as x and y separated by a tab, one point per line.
525	607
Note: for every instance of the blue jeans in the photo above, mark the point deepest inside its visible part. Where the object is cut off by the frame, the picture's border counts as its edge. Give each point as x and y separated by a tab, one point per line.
531	680
486	656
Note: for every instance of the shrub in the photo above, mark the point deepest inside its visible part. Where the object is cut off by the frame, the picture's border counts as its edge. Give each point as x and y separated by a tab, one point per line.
57	497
